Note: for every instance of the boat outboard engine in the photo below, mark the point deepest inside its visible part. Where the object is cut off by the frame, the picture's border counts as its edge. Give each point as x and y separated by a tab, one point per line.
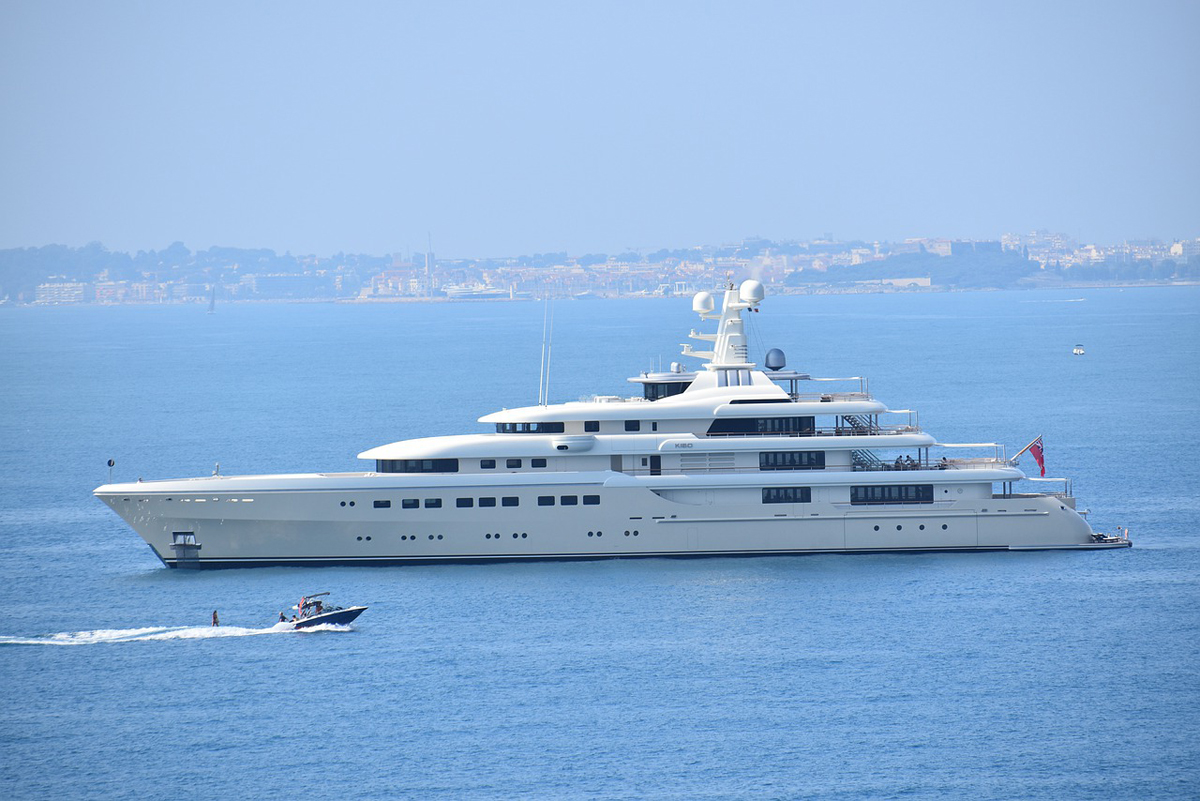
775	359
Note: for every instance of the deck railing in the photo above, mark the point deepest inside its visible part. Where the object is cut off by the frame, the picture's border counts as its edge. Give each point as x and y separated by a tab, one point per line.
837	431
932	464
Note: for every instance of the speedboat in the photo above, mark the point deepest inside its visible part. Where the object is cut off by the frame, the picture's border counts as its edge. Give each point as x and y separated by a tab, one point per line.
312	611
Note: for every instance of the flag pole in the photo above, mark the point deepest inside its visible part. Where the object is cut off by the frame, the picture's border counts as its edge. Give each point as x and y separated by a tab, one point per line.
1027	447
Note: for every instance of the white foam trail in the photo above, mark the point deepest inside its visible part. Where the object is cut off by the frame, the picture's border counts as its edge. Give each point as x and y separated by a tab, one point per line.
102	636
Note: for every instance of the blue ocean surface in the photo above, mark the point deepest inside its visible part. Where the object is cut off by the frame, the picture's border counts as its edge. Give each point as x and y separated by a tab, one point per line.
1050	675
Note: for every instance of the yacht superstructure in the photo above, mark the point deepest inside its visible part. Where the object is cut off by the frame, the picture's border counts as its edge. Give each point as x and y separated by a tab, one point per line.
729	459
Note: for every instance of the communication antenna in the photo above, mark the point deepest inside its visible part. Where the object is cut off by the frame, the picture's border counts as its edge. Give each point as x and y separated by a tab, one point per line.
547	345
111	462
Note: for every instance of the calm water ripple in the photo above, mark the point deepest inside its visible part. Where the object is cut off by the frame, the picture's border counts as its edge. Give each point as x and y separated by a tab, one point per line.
1023	675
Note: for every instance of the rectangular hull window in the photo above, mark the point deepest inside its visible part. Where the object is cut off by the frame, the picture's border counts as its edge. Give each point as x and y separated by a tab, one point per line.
787	495
530	428
416	465
796	426
892	493
791	460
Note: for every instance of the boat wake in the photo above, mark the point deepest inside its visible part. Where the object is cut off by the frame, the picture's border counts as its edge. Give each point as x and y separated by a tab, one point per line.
108	636
1057	300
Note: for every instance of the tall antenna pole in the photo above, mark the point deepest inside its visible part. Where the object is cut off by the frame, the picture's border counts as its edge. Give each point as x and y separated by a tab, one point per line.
549	348
542	366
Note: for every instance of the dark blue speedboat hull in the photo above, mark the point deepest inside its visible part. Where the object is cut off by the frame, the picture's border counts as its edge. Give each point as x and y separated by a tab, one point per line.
337	617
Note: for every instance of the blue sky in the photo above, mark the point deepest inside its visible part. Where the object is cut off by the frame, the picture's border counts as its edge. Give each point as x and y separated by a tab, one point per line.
501	129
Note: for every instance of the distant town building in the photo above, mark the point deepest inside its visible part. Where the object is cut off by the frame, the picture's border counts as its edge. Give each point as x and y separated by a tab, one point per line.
60	293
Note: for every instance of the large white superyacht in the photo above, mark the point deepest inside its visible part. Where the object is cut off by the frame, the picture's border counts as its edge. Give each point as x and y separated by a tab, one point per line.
729	459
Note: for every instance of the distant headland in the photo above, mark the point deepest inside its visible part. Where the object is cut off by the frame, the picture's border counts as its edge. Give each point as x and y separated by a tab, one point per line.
57	274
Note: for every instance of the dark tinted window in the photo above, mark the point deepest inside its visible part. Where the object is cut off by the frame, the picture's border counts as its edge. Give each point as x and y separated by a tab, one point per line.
892	493
433	503
545	500
803	426
633	425
410	503
383	504
653	392
510	500
591	500
487	464
591	425
569	500
786	495
530	428
416	465
791	460
464	503
512	463
537	462
487	501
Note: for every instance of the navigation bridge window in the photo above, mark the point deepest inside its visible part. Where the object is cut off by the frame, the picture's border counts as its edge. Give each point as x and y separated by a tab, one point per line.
416	465
796	426
654	392
791	460
892	493
530	428
787	495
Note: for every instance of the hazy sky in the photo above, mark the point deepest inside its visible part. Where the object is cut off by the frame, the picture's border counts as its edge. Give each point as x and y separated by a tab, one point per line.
508	128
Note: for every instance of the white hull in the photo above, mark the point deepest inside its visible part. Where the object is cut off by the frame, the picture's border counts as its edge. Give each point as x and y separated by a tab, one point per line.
267	520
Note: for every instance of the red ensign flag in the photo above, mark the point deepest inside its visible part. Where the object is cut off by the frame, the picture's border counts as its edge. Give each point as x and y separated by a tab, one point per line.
1038	454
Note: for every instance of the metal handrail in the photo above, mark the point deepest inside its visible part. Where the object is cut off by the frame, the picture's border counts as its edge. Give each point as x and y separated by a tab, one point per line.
955	464
839	431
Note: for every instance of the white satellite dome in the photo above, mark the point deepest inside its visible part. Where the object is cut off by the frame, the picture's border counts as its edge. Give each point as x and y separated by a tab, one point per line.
702	303
752	291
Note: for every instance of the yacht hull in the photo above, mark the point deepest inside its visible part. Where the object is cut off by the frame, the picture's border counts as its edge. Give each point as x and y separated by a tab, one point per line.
205	523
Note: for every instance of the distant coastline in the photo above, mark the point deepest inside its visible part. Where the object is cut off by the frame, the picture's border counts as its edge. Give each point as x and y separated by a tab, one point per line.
56	275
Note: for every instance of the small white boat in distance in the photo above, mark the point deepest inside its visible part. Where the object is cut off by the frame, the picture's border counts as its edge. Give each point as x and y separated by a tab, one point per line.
1078	350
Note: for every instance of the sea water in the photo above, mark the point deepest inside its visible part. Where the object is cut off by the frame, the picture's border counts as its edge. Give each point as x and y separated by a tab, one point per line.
994	675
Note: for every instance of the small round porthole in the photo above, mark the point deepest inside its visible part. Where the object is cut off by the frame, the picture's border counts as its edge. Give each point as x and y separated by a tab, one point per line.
944	527
877	528
899	528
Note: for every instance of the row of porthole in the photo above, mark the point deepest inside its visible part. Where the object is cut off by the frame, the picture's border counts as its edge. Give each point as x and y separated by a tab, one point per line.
515	535
921	527
406	537
627	533
344	503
